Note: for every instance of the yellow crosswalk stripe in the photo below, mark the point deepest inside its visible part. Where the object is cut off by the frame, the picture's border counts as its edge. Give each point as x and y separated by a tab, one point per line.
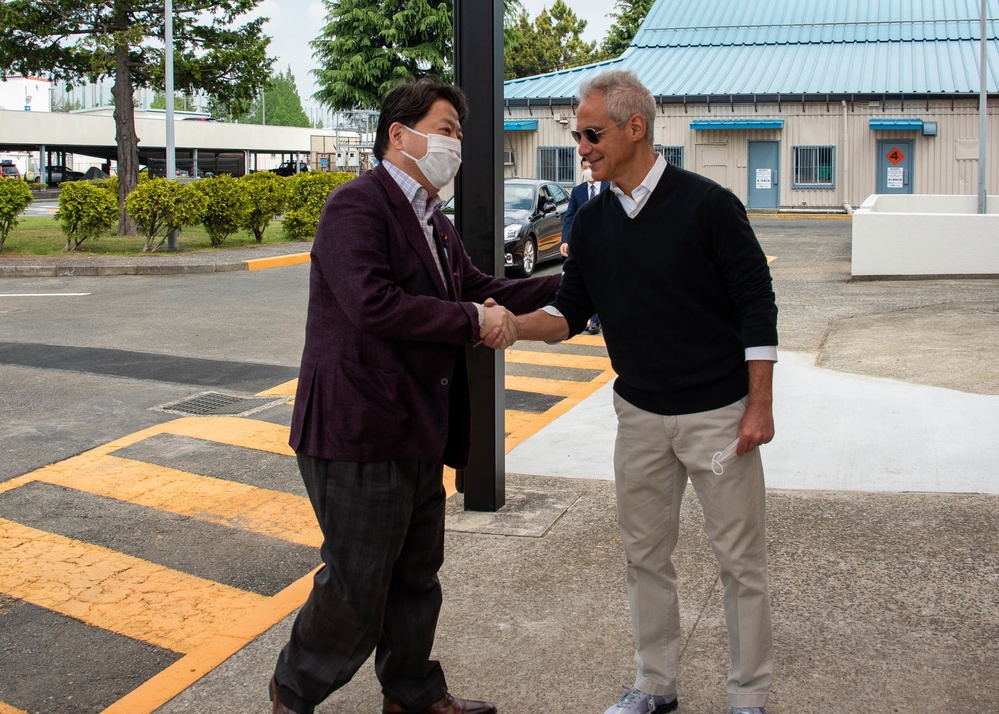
7	709
557	359
235	431
117	592
248	508
516	420
282	390
539	385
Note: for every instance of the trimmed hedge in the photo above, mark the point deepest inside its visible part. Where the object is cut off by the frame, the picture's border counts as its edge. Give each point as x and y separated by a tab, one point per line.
309	192
15	196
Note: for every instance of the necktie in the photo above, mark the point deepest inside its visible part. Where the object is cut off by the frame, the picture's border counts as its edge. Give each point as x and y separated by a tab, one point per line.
593	190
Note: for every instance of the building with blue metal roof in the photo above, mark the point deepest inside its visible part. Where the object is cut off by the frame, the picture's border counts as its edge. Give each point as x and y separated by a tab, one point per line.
793	103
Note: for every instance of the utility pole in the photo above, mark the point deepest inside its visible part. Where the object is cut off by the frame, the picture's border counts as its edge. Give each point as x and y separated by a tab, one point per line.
171	148
983	124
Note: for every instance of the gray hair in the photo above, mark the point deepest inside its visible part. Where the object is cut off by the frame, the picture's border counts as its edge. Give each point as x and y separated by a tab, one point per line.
624	96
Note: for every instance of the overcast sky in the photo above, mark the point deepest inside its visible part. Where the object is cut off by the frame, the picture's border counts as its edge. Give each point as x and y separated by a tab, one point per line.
294	23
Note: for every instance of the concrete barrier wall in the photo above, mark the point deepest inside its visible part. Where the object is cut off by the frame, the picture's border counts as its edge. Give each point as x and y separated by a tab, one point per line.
924	235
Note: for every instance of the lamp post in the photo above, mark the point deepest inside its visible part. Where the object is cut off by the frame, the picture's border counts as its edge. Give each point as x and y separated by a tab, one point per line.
171	156
983	123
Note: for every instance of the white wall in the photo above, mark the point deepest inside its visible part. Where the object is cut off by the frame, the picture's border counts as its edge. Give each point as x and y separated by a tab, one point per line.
16	93
925	235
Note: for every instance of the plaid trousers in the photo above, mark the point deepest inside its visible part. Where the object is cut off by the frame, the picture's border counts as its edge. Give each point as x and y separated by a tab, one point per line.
383	543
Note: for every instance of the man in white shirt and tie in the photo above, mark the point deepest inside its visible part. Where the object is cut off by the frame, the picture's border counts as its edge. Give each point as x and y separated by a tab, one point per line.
581	193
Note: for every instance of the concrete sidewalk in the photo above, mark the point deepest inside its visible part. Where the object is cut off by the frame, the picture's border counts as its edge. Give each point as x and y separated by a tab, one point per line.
883	526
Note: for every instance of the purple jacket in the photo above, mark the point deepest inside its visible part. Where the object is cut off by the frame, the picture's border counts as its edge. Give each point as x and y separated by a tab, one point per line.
383	370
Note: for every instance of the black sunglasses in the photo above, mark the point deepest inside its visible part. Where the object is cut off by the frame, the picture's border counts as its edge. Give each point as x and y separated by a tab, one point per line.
591	134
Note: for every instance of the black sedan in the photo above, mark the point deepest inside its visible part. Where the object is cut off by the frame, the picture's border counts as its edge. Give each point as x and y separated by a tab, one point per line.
61	174
532	223
532	219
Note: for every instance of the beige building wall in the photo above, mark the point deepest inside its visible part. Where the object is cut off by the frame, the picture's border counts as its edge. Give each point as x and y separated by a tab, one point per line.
943	164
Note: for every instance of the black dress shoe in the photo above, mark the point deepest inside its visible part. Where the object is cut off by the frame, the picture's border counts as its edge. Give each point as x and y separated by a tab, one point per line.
592	329
447	705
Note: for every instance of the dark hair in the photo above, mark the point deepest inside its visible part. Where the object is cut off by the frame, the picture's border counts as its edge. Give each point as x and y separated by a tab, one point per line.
409	102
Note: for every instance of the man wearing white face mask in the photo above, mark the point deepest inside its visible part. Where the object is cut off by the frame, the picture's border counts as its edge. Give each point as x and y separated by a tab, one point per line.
382	404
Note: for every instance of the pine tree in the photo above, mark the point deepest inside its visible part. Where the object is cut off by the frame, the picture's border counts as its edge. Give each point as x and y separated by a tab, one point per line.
368	45
628	18
553	41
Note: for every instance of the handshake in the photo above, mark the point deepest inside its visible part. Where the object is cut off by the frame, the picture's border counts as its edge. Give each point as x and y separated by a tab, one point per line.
499	326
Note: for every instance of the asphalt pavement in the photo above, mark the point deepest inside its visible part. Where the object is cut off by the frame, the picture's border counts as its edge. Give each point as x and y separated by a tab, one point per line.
882	516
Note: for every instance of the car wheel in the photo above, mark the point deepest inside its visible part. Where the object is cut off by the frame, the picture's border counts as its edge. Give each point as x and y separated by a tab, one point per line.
530	258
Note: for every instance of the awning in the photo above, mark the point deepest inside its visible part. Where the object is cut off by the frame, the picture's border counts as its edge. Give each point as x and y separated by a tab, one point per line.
730	124
896	124
520	125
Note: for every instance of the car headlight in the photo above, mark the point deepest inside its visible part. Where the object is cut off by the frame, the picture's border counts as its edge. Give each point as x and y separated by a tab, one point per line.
512	231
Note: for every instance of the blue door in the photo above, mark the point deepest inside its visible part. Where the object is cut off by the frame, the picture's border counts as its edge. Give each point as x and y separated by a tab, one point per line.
894	166
763	177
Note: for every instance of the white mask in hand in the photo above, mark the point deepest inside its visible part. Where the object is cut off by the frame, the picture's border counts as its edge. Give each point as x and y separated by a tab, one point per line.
717	461
443	157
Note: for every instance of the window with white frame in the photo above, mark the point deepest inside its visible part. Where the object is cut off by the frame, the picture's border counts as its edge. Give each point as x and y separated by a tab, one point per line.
672	154
813	166
557	163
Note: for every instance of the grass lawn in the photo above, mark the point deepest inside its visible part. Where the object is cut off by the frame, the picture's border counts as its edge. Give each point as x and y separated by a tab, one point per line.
42	236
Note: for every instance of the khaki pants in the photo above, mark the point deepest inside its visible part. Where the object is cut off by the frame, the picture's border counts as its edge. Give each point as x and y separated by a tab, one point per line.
653	458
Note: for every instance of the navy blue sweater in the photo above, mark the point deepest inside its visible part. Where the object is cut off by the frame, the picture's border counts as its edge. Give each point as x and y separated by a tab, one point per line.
682	290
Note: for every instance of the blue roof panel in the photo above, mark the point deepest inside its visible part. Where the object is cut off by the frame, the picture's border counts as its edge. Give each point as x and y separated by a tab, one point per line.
795	47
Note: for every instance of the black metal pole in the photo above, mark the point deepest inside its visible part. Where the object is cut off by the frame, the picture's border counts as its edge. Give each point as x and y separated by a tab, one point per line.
478	70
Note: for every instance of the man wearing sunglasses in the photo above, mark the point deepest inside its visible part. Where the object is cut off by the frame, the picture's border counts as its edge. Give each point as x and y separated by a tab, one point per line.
670	262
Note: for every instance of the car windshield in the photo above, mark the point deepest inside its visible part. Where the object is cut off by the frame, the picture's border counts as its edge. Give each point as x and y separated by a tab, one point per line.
518	197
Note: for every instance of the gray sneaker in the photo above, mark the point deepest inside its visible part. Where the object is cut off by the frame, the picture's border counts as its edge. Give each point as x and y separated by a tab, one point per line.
635	701
747	710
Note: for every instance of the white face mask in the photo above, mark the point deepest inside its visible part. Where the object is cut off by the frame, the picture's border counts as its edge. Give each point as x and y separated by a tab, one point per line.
720	457
587	176
443	157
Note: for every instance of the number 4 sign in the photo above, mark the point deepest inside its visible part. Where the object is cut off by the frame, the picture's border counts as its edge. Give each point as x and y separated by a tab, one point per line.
895	156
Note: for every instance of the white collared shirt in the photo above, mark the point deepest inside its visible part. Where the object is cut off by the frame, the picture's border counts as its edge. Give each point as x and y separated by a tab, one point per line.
423	205
640	194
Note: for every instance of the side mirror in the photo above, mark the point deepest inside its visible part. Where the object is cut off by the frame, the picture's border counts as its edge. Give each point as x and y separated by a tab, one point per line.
549	207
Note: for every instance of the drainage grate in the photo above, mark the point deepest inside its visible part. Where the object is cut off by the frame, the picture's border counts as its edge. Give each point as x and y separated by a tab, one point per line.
218	404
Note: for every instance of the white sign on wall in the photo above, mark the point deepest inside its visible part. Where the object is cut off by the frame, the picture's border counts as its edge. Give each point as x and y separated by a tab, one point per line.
896	176
764	178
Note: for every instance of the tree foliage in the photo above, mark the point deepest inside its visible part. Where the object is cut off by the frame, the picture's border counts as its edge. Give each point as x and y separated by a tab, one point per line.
87	40
281	105
15	196
552	41
85	211
629	16
369	45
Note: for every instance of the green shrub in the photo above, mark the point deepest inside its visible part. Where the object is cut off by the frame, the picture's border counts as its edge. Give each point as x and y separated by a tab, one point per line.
226	206
15	196
85	211
309	192
108	184
268	195
160	207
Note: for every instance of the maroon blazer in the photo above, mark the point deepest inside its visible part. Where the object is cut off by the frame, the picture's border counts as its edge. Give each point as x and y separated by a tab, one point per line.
383	374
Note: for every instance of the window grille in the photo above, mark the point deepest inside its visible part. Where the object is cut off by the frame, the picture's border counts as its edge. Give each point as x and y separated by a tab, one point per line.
813	166
672	154
557	163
